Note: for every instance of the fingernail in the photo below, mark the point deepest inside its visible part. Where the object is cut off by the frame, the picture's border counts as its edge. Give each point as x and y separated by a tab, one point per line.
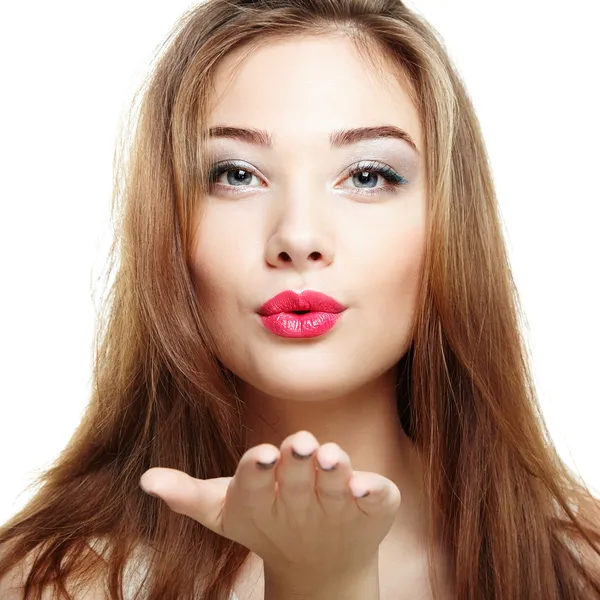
150	493
331	468
146	490
264	465
302	456
363	495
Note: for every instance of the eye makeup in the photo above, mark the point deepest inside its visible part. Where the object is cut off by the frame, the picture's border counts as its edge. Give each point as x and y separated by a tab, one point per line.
393	178
369	169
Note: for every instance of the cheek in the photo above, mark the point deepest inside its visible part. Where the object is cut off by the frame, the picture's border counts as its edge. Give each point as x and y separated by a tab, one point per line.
407	268
212	282
390	297
216	251
211	263
391	262
223	261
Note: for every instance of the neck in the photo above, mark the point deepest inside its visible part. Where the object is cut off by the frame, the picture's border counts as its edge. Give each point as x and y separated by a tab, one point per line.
364	423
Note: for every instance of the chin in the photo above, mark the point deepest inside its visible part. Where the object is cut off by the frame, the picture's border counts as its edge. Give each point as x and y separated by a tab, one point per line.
299	391
314	371
305	381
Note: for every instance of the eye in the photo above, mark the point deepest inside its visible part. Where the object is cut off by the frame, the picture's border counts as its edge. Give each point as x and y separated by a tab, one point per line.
237	175
365	176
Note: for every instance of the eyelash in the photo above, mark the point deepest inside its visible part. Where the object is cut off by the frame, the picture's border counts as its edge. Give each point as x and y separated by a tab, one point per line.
393	179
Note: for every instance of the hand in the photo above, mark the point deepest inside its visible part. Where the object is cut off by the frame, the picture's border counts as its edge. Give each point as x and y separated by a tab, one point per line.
301	508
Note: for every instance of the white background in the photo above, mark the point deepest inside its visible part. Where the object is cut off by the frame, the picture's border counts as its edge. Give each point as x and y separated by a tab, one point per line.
68	71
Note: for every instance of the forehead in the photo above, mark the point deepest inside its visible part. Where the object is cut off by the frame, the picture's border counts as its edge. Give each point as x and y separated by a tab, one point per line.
306	85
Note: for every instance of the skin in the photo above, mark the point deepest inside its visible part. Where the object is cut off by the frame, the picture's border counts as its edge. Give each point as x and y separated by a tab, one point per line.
294	219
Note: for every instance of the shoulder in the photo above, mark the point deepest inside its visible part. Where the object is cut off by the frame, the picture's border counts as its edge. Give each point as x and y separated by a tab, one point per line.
13	580
12	583
589	514
590	561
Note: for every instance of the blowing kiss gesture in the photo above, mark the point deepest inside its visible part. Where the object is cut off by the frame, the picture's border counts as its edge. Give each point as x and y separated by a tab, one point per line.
315	522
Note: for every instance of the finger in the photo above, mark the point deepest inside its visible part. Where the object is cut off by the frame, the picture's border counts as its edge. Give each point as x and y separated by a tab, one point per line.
200	499
254	481
295	472
374	493
333	475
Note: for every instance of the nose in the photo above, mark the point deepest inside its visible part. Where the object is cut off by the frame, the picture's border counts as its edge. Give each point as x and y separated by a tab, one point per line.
301	238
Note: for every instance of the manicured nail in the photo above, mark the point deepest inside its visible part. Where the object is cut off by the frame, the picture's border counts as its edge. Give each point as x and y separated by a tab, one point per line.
331	468
265	465
302	456
149	492
361	496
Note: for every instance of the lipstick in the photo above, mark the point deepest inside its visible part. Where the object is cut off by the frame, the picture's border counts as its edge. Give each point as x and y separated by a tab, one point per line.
305	315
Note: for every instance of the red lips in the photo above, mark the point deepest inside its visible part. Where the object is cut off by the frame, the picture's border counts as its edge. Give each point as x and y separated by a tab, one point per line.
307	301
306	315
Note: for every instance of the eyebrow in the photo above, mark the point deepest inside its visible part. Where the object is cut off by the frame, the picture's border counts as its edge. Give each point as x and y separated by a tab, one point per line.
337	139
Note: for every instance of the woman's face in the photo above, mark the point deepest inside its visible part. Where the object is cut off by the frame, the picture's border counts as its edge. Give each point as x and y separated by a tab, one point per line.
292	216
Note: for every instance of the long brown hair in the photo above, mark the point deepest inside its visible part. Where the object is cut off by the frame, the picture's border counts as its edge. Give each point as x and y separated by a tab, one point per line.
512	516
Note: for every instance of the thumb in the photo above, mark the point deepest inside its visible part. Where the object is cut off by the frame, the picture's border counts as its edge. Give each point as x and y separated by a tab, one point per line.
200	499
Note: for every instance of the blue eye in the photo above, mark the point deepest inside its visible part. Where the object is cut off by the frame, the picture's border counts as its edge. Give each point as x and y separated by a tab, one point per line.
364	176
237	175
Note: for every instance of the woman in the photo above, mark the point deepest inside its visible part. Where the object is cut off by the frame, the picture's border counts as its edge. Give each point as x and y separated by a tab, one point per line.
311	360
